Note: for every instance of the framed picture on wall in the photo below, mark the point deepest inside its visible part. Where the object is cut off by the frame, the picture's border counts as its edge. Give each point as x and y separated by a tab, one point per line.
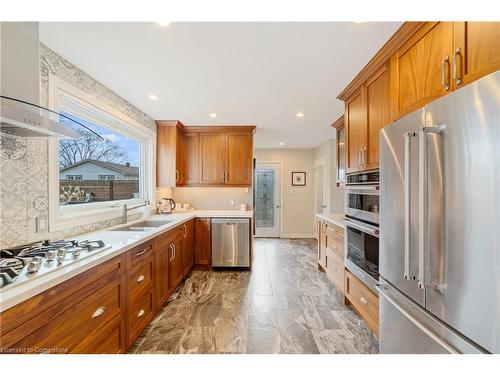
298	178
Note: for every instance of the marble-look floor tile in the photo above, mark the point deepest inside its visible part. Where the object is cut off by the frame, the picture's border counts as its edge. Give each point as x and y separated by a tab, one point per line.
285	305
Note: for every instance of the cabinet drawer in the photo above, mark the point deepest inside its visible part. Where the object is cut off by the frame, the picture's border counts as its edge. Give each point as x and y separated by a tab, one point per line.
68	330
140	278
140	313
107	340
335	239
138	254
363	299
335	269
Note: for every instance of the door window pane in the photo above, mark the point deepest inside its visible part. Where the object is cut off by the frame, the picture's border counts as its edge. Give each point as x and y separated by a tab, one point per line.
264	197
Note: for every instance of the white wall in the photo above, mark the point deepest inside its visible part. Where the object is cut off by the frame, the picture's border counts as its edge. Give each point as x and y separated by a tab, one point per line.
297	201
328	149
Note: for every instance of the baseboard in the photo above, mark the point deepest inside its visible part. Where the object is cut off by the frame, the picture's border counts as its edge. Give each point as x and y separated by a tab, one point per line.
297	235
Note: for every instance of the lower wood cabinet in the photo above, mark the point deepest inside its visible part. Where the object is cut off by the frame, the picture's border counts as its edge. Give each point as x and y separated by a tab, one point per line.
188	246
203	242
363	299
331	252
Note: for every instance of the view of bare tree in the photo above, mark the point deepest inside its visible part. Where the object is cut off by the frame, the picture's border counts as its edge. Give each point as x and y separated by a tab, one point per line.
89	147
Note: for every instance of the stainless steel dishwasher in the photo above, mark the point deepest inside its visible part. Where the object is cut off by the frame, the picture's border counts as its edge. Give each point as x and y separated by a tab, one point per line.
230	242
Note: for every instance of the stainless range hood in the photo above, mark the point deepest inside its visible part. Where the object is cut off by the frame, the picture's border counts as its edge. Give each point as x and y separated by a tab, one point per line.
20	112
24	119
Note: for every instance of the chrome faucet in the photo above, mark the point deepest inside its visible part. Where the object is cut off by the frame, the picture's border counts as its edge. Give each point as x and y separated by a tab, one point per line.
126	209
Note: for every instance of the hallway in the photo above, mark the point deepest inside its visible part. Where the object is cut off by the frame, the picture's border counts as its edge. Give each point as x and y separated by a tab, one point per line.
285	305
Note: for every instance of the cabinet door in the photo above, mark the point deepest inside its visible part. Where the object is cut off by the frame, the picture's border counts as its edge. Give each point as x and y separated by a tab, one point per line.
203	242
378	115
175	267
476	50
162	278
191	159
422	68
179	162
239	159
355	118
188	246
213	158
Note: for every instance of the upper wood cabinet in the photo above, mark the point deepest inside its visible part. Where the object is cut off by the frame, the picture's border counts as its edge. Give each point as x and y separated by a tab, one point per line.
191	159
439	58
204	156
169	156
421	68
239	159
366	112
213	158
476	50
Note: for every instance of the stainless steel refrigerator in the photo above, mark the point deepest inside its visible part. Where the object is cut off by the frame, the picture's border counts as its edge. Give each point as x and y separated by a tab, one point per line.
439	260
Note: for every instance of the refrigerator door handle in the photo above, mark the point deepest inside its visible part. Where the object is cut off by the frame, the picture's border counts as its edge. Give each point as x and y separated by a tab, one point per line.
407	206
422	202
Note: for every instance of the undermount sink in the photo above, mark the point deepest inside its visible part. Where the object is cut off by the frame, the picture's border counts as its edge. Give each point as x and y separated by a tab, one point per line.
142	226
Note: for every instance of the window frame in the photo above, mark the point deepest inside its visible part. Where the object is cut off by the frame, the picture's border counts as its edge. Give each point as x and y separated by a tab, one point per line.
64	97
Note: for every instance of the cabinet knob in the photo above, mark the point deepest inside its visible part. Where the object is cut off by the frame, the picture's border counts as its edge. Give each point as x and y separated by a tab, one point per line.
140	279
363	300
100	310
140	313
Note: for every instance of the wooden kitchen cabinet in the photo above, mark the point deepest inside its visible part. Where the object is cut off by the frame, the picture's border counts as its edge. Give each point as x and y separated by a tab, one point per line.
191	158
176	271
169	154
366	112
363	299
188	247
355	130
421	68
213	158
476	51
203	242
239	159
331	252
321	244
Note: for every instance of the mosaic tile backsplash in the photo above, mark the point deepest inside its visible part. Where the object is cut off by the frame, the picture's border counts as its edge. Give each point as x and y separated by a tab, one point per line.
24	161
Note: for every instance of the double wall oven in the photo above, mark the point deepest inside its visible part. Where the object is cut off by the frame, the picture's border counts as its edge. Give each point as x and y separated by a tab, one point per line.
362	226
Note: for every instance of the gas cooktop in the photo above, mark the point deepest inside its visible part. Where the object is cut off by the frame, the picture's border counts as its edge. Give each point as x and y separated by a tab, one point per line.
24	262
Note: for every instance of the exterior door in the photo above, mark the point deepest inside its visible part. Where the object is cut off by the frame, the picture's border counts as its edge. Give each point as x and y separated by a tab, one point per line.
267	187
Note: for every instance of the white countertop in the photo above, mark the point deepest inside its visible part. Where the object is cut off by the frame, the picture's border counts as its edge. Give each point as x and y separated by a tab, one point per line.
119	241
333	218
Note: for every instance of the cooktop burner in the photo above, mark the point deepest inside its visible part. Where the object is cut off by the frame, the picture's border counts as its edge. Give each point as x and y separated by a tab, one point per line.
28	259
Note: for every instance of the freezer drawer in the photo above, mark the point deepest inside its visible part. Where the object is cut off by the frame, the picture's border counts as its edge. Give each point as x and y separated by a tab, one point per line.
230	242
405	328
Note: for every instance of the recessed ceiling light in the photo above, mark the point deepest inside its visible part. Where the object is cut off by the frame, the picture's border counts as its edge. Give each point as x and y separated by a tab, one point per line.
213	115
300	114
282	143
152	97
163	23
359	21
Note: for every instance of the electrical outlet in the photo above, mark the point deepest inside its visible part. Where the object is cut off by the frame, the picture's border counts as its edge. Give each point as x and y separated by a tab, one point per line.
41	224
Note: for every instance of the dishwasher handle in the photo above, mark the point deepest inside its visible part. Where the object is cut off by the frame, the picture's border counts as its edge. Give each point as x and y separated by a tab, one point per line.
230	221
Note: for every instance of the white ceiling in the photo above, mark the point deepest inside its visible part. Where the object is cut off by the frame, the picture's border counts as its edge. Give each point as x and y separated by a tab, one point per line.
248	73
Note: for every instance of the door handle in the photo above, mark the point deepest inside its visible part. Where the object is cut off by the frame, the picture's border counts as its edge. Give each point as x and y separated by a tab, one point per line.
423	204
407	206
444	82
176	175
456	78
359	158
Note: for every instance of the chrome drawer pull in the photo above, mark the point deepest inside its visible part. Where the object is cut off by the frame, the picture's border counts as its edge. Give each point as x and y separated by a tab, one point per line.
363	301
140	279
141	313
98	312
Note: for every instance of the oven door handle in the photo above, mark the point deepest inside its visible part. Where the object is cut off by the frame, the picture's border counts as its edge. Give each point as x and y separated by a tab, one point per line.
362	228
362	187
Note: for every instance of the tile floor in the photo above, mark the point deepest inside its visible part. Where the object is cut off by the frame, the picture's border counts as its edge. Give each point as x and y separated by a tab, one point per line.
285	305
